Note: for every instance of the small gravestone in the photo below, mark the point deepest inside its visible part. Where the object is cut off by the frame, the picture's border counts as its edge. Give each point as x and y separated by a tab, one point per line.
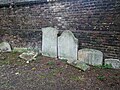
49	42
5	47
67	46
114	62
90	56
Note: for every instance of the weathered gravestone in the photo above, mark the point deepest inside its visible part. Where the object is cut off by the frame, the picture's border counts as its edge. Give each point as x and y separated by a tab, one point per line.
49	42
90	56
5	47
67	46
114	62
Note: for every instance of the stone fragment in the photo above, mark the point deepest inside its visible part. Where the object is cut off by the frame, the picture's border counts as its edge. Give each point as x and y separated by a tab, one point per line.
5	47
83	66
114	62
28	56
80	65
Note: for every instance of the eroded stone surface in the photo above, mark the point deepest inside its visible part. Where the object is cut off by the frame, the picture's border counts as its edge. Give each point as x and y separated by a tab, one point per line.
114	62
90	56
67	46
5	47
49	42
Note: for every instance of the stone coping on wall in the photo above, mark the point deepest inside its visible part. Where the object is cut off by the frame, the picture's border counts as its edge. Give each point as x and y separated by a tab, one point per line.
76	31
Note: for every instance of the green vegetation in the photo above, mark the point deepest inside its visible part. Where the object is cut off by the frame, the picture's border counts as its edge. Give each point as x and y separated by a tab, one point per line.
20	49
6	85
11	59
4	62
106	66
77	78
50	63
101	77
51	73
64	60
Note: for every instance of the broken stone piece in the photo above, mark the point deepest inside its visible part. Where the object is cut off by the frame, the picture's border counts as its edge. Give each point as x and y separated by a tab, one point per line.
5	47
80	65
70	61
114	62
83	66
29	56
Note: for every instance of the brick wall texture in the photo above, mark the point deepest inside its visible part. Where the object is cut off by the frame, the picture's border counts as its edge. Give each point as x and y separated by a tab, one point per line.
96	23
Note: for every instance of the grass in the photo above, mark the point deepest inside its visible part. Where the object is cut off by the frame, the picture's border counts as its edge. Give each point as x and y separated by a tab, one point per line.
101	77
11	59
50	63
51	73
20	49
64	60
6	85
77	78
4	62
106	66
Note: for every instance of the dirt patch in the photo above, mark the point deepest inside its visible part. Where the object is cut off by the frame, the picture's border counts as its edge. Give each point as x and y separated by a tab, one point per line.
51	74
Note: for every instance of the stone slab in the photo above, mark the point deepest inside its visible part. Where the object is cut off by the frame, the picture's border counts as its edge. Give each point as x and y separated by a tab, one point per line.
67	46
5	47
114	62
49	42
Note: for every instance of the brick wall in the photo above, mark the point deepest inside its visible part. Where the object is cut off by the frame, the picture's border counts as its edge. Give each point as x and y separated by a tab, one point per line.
96	23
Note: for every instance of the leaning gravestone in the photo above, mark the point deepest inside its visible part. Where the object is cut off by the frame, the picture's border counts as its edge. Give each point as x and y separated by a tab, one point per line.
49	42
114	62
90	56
67	46
5	47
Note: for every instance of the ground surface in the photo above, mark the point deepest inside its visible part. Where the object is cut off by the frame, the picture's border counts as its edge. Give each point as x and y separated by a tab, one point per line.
52	74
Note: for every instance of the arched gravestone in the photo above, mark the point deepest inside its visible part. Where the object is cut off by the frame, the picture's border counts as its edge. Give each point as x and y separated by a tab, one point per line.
67	46
90	56
49	42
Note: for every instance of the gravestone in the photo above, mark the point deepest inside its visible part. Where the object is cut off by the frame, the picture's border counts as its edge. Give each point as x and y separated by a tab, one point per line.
5	47
49	42
114	62
67	46
90	56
